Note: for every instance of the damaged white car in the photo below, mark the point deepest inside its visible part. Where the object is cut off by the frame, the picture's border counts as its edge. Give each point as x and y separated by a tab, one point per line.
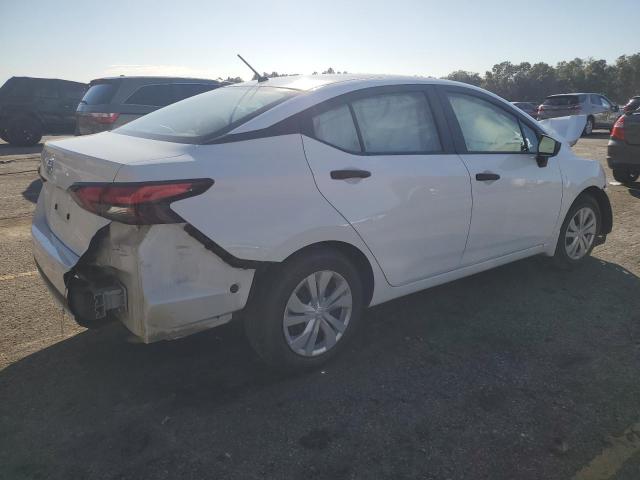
300	201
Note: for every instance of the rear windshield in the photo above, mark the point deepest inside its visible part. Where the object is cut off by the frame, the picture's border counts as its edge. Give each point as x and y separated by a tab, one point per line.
208	115
562	100
99	93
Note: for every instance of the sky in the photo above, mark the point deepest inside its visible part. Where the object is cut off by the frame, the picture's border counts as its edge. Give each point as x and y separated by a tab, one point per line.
82	40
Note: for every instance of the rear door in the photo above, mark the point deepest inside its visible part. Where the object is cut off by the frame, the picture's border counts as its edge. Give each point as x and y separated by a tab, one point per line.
515	201
382	158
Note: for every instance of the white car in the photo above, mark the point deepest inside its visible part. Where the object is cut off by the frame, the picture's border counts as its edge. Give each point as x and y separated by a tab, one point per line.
299	201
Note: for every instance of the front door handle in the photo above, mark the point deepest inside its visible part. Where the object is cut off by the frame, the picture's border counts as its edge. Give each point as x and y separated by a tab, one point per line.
487	177
346	174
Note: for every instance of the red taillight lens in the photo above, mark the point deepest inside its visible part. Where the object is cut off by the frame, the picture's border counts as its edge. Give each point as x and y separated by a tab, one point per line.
617	131
104	117
141	203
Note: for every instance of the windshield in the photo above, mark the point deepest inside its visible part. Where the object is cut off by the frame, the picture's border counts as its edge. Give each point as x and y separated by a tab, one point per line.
208	115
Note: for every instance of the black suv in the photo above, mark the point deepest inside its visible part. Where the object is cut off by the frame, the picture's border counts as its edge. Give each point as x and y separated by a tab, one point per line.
111	102
31	107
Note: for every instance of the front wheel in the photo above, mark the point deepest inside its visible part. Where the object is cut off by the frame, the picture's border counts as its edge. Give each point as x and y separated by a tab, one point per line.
579	230
625	176
305	310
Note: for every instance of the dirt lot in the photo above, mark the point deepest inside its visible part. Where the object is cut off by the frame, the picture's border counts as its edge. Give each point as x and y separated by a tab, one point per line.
518	373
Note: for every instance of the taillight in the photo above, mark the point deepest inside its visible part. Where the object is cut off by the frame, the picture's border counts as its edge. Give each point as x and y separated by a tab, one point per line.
617	131
141	203
104	117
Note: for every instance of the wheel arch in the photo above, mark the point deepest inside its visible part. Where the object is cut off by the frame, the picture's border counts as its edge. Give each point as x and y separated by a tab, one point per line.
353	253
601	197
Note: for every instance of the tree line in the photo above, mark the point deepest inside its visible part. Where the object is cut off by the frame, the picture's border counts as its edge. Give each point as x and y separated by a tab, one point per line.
532	83
528	82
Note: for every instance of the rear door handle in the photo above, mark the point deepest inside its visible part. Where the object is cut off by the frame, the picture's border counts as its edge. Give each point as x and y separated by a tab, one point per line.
346	174
487	177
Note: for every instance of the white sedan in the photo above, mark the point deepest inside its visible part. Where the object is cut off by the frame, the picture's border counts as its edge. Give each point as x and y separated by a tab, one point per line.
300	201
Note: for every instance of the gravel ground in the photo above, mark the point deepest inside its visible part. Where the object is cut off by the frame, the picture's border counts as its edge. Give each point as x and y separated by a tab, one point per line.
521	373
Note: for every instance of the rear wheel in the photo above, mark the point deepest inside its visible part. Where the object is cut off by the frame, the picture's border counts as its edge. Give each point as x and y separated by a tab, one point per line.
625	175
588	128
579	230
306	310
24	132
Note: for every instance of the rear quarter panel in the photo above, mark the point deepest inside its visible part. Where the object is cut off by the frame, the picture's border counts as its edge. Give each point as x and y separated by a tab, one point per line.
264	204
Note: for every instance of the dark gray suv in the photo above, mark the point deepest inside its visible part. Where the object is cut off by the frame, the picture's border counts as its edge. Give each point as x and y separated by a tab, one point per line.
111	102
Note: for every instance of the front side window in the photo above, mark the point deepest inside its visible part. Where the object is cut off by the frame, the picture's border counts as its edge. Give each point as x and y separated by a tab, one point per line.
336	127
152	95
208	115
605	102
486	127
595	100
397	123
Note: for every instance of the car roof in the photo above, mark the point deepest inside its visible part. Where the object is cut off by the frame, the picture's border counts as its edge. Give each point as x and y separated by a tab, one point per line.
155	78
46	79
312	82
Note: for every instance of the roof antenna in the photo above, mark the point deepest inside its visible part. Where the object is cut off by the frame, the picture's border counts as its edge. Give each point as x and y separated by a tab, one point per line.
260	77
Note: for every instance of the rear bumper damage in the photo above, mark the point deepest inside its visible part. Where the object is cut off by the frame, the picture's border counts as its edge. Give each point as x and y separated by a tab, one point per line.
158	280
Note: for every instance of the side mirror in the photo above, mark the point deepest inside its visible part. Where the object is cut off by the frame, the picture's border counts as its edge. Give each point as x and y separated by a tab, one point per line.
615	108
547	148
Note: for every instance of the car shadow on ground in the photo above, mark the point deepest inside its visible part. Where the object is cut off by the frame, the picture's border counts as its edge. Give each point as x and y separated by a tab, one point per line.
32	192
598	134
481	375
6	149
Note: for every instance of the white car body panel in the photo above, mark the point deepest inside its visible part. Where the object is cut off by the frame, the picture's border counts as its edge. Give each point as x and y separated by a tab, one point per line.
513	213
413	212
565	129
419	220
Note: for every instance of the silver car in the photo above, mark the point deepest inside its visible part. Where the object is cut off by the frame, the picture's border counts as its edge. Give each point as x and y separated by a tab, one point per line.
601	112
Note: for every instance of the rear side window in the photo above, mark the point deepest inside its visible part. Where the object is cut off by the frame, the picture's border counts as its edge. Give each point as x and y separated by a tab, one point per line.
562	100
397	123
486	127
186	90
152	95
207	116
336	128
99	94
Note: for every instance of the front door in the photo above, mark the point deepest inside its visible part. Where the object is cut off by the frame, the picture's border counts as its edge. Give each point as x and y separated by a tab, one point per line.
515	202
378	157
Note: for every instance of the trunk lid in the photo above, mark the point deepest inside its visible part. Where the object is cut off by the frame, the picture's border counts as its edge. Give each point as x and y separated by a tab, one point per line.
95	158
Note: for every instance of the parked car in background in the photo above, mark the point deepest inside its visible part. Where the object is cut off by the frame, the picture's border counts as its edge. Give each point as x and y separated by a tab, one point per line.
623	150
632	105
300	201
112	102
527	107
31	107
600	111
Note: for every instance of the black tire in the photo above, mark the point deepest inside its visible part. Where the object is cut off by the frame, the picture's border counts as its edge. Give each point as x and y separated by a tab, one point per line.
24	132
625	175
561	256
588	128
263	320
